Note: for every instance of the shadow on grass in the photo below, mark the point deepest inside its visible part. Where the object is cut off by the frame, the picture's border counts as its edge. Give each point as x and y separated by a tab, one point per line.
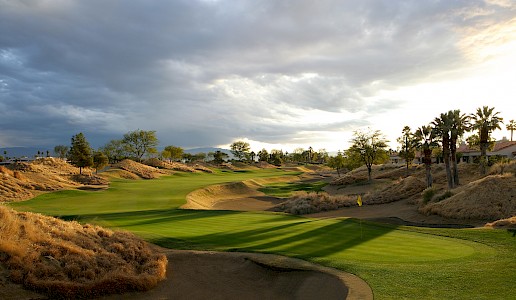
289	235
148	217
314	238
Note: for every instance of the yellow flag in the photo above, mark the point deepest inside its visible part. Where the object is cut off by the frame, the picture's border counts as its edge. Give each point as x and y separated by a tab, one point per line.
359	200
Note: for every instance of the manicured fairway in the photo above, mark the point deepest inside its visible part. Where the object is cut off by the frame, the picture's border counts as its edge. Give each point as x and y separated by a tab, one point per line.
398	262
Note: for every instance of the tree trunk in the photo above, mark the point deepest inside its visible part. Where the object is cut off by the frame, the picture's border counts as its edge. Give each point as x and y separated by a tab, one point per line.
446	158
483	158
429	180
453	150
427	160
369	173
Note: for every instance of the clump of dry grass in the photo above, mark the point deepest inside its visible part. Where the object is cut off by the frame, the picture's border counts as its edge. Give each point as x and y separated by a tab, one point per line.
405	188
503	167
67	260
489	198
509	223
307	203
144	171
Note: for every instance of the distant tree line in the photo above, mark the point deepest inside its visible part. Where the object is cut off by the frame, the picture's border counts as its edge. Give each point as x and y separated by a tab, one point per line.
437	140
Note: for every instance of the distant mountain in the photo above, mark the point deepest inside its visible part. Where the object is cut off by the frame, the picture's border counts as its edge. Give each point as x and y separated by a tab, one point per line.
30	152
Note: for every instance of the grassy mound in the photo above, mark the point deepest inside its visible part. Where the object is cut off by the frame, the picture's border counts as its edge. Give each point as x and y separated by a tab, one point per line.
202	168
405	188
67	260
490	198
120	174
308	203
206	198
349	178
22	181
265	165
143	171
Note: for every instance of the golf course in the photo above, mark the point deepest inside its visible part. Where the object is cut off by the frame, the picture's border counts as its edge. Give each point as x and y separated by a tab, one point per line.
398	262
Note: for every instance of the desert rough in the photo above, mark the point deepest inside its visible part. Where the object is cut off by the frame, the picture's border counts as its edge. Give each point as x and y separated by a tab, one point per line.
68	260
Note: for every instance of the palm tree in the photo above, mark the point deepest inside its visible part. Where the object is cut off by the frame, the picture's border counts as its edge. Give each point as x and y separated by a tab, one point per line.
425	141
511	126
460	124
407	141
442	127
485	121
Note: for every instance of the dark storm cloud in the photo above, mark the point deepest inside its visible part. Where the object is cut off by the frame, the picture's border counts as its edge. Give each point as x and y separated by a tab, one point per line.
202	73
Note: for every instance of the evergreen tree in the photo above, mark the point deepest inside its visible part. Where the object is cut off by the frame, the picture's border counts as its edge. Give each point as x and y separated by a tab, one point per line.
80	152
100	160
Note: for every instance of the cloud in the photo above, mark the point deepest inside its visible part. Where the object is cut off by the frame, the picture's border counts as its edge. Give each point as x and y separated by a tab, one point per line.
203	73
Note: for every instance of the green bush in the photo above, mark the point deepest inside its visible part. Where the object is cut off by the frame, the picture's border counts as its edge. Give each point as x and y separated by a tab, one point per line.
444	195
428	194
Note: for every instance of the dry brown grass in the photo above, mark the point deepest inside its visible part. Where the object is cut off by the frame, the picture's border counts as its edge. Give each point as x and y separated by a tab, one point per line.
143	171
405	188
503	167
90	179
202	168
176	166
265	165
67	260
359	175
349	178
308	203
509	223
489	198
22	181
119	173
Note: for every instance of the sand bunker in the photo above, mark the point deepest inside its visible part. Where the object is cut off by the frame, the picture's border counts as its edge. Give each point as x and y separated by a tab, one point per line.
233	195
219	275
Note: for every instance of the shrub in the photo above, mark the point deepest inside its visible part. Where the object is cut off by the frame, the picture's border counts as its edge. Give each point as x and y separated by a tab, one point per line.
307	203
447	194
428	194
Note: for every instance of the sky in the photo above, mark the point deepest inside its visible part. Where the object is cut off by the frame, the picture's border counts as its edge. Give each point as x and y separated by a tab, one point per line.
277	74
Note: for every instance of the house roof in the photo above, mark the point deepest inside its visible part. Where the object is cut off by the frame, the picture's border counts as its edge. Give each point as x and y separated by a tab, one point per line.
499	145
502	145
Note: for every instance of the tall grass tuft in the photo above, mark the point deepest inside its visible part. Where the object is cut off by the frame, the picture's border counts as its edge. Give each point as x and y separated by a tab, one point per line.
67	260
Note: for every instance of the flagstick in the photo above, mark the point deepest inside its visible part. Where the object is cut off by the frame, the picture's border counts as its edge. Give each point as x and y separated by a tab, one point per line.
359	202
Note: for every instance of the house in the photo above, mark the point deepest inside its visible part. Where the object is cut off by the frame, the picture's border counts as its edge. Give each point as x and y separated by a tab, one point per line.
395	158
503	148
